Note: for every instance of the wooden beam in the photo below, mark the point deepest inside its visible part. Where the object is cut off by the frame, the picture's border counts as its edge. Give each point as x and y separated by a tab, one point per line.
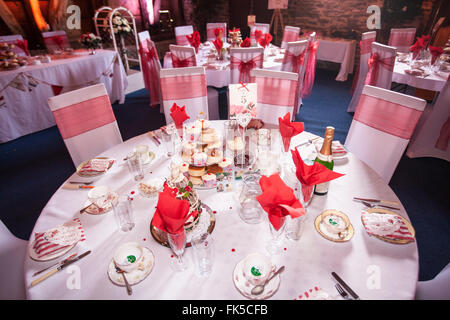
9	19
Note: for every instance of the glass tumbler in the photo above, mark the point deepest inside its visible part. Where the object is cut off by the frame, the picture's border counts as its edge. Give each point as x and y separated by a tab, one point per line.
204	253
177	242
136	165
123	212
169	138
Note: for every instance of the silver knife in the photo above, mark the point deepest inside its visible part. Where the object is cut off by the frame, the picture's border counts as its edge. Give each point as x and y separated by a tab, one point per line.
59	268
345	286
54	265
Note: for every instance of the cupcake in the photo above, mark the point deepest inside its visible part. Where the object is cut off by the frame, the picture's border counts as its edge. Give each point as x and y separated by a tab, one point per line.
188	151
196	171
192	133
226	165
209	180
200	159
214	152
184	169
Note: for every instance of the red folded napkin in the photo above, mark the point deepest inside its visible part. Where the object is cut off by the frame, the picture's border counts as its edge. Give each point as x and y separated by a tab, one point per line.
278	200
178	115
218	43
289	129
309	176
246	43
194	40
265	41
218	32
420	44
435	53
258	34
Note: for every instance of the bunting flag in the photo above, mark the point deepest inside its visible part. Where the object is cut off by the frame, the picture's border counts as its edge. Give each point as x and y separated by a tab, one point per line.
56	89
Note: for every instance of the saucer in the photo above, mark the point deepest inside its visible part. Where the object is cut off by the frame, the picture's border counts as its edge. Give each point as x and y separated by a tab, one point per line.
245	287
49	257
135	276
95	210
346	235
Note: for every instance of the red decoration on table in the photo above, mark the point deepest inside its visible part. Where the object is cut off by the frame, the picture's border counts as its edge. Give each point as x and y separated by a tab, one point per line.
289	129
309	176
246	43
178	115
23	45
194	40
435	53
265	41
278	200
218	43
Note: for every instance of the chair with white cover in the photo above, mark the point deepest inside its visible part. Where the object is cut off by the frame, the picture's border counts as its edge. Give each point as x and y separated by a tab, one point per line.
382	127
151	67
242	61
16	40
56	40
365	50
183	56
437	288
402	38
210	27
294	60
432	135
290	34
185	87
276	93
263	27
180	34
12	258
380	66
86	122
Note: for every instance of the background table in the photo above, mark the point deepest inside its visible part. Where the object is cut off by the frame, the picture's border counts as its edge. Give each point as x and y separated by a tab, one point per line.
308	261
27	111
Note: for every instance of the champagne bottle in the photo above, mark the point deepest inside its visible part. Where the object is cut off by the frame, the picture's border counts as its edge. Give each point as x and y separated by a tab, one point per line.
325	157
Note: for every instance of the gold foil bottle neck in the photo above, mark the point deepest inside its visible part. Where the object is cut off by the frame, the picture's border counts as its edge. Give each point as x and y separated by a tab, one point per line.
327	140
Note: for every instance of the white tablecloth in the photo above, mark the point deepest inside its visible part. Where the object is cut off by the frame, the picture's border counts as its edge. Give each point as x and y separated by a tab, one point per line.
28	112
308	262
434	81
218	72
340	51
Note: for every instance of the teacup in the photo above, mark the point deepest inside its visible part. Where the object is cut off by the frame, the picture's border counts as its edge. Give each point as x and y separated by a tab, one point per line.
256	268
143	151
128	256
101	196
335	222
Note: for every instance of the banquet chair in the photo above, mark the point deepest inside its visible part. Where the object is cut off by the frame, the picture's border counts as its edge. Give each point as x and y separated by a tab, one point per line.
185	87
56	40
263	27
182	56
276	93
437	288
380	66
14	39
242	61
12	258
180	34
210	27
381	128
402	38
151	67
290	34
294	60
365	49
86	122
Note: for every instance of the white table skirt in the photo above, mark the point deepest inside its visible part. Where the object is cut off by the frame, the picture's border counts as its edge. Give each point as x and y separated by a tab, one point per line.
434	82
339	51
308	262
28	112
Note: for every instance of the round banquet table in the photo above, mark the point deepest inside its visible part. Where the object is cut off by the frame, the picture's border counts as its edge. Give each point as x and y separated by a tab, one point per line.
309	261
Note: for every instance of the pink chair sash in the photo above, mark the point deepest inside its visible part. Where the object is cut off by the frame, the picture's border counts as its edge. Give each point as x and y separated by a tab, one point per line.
246	67
278	92
401	39
295	60
290	36
387	116
310	71
149	58
444	136
374	63
365	47
84	116
183	87
182	40
182	63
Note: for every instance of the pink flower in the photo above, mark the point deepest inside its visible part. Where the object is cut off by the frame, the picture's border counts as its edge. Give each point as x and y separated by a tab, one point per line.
236	109
253	112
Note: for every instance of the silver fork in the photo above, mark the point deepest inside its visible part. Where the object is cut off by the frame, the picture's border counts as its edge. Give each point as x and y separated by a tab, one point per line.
85	183
342	292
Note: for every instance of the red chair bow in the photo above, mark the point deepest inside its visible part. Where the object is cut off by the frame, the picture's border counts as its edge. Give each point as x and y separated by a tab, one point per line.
374	63
150	69
310	71
58	40
182	63
23	45
295	60
246	67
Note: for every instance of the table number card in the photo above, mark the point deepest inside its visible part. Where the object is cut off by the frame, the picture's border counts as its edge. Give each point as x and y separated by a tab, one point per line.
243	100
277	4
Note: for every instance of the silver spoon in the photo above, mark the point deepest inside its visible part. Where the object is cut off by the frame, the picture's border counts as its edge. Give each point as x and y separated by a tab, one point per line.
260	288
127	285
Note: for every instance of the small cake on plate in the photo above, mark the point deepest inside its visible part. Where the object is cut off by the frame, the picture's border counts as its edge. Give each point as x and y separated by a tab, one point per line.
188	151
184	169
196	171
192	133
226	165
209	180
151	187
200	159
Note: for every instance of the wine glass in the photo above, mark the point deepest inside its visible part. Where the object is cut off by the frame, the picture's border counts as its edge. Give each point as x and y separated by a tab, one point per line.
274	245
177	242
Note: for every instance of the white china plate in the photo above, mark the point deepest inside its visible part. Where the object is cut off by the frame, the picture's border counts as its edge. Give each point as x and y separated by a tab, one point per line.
33	255
135	276
93	209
